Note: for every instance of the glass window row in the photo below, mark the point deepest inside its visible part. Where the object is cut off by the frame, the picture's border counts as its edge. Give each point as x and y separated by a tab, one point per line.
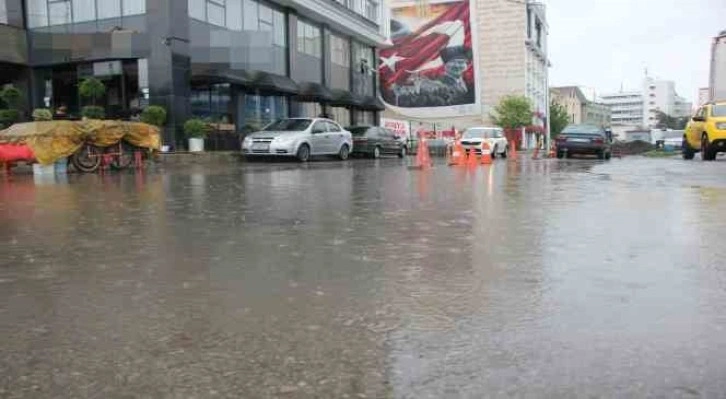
42	13
241	15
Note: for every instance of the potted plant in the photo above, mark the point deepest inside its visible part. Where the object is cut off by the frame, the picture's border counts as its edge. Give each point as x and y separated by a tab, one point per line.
154	115
196	130
93	89
42	114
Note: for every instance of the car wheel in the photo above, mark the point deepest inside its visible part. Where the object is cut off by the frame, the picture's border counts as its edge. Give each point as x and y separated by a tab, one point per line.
560	154
687	151
494	152
303	153
601	155
344	152
376	152
706	153
506	152
402	153
608	155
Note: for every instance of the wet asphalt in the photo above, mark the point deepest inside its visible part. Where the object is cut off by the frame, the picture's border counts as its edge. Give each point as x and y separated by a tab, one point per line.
365	279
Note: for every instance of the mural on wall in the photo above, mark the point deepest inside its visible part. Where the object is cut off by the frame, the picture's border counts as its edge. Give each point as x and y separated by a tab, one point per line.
431	66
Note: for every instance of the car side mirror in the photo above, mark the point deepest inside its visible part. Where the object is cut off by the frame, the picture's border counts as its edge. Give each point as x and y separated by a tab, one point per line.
699	119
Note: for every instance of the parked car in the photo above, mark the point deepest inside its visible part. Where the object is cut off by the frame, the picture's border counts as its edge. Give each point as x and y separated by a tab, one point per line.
474	137
300	138
583	139
375	141
706	132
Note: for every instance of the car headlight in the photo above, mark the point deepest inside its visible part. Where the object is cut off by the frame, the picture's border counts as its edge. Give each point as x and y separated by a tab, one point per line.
721	126
247	142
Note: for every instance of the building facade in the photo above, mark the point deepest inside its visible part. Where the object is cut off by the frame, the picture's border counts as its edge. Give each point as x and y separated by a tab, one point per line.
594	113
626	108
580	110
660	96
239	63
511	59
704	95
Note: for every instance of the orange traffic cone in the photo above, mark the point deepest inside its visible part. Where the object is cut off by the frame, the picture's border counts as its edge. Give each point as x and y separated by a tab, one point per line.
457	154
553	150
473	158
486	154
423	158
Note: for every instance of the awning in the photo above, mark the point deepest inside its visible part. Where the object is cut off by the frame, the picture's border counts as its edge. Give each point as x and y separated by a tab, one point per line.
313	92
276	83
343	98
373	103
205	73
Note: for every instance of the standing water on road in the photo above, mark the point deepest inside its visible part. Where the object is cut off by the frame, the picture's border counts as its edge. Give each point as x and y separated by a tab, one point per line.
367	279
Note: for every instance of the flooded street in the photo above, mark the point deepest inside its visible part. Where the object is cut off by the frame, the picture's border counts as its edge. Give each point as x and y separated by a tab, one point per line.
571	278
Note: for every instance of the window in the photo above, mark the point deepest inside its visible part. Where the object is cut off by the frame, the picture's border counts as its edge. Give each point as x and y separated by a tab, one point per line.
257	16
319	127
84	10
234	14
371	10
3	12
59	12
309	39
110	9
196	9
332	127
216	12
339	51
132	7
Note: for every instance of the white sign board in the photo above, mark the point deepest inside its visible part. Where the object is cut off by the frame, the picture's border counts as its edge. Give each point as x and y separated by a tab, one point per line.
398	127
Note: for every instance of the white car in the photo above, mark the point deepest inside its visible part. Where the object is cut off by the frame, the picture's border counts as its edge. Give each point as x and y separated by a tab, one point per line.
300	138
474	137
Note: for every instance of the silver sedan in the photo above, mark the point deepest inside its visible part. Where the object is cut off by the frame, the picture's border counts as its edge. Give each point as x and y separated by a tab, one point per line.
300	138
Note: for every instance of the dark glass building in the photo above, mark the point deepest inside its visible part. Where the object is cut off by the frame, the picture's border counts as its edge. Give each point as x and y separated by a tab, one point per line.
240	63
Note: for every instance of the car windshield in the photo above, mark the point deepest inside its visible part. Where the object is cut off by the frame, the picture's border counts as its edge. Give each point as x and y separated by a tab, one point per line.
358	131
583	129
288	125
478	133
719	110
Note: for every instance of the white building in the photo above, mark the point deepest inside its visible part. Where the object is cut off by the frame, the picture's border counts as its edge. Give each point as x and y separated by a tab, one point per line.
626	108
660	96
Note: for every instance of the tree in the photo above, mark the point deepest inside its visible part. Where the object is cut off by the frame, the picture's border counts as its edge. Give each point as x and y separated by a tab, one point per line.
91	88
665	121
512	112
558	118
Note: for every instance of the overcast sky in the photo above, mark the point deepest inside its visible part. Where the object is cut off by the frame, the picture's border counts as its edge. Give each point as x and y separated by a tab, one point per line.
605	43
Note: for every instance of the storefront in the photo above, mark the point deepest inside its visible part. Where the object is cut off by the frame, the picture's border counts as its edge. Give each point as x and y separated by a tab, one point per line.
237	63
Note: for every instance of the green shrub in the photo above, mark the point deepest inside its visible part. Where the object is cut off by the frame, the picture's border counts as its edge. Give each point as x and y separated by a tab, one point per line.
11	97
154	115
196	128
93	112
8	117
42	114
91	88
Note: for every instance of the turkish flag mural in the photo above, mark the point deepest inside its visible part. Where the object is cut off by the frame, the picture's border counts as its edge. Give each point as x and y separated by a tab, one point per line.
431	63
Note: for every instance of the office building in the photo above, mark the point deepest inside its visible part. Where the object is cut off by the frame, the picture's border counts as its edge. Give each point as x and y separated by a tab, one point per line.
241	63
